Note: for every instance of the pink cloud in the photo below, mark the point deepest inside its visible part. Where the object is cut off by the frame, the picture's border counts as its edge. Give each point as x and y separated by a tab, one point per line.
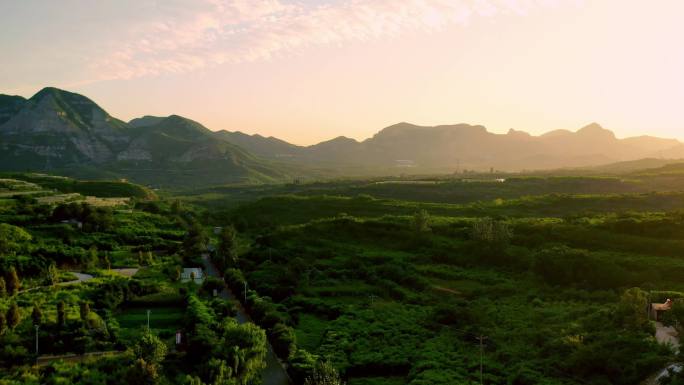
187	36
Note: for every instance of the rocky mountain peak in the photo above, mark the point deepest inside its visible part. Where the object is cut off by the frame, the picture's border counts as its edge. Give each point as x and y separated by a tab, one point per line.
595	130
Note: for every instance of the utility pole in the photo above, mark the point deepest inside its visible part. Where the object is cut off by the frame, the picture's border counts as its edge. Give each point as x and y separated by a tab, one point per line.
37	339
481	338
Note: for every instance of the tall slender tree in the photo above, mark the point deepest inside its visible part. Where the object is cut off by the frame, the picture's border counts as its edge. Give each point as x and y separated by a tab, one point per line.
52	275
93	257
84	309
227	250
13	316
106	261
61	313
37	315
3	288
13	281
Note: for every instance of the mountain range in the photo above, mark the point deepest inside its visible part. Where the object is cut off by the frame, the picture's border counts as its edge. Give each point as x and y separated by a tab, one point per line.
60	131
447	148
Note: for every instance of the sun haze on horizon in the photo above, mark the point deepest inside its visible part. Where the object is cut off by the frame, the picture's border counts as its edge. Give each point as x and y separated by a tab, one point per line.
307	71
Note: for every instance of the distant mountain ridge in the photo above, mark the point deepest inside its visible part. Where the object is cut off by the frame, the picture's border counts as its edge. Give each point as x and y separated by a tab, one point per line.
60	130
451	147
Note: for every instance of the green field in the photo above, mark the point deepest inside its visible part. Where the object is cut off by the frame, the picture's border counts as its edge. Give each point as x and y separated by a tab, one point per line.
160	318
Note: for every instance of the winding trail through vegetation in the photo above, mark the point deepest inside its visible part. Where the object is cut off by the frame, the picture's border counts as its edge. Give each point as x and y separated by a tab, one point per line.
665	335
274	373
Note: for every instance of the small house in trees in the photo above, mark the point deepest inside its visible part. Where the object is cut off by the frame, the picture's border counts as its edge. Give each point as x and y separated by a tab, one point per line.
656	309
194	274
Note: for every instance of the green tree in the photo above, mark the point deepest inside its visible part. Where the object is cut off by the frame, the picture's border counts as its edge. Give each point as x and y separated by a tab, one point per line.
632	309
149	352
150	348
195	239
93	257
3	288
219	372
84	310
324	374
13	281
13	239
13	316
421	222
3	323
52	275
244	347
142	373
227	249
37	315
284	340
192	380
150	258
176	207
107	262
491	231
61	313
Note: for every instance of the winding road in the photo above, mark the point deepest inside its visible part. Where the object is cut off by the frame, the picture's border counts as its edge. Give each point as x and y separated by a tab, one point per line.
80	278
274	373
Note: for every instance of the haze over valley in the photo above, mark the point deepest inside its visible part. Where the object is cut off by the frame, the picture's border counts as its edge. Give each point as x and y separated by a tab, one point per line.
341	192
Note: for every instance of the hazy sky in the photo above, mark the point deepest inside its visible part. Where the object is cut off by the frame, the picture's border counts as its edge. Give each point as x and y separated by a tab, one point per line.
311	70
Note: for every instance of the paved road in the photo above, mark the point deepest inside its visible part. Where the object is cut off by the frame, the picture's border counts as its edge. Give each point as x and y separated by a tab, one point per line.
274	373
665	372
47	359
80	277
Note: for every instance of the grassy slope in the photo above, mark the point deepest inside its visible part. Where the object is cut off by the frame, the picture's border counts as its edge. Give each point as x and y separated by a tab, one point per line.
103	189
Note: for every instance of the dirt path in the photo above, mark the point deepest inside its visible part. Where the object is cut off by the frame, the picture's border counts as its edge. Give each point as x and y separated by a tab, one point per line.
274	373
665	335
